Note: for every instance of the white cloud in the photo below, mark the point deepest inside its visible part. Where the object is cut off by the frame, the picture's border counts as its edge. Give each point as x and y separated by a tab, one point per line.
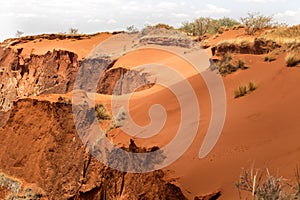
180	15
111	21
18	15
167	5
211	9
261	1
36	16
288	13
289	16
94	20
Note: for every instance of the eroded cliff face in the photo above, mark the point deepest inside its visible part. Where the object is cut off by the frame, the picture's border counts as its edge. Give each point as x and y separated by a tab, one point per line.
39	145
20	77
55	73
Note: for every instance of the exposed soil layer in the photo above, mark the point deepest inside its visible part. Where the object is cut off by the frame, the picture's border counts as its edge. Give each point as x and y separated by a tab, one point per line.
259	46
39	144
55	73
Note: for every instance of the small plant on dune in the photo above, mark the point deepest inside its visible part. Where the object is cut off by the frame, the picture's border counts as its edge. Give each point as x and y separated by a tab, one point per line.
297	187
251	86
241	64
241	91
227	66
244	89
269	57
264	186
252	182
271	188
101	112
292	59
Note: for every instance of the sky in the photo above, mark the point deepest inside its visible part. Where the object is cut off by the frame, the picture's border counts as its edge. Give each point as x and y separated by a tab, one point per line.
90	16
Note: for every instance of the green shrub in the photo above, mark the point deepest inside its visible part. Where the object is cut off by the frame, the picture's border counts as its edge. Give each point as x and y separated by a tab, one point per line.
255	22
163	26
292	59
228	22
203	25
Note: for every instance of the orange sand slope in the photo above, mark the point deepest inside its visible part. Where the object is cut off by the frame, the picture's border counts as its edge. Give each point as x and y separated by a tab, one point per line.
261	128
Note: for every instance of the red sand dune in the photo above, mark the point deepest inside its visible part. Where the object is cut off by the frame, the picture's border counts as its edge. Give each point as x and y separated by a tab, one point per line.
261	129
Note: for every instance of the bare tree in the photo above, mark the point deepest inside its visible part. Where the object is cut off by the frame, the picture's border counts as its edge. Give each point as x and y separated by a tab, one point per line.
254	22
131	29
202	25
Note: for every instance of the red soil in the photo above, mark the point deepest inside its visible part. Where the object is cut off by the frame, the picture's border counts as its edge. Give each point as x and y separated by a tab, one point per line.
261	128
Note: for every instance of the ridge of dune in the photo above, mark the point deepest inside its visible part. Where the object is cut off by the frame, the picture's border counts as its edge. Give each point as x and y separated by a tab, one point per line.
40	45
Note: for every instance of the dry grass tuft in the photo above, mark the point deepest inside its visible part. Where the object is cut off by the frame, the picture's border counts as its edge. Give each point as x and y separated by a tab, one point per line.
240	92
270	57
288	36
292	59
244	89
262	185
102	113
227	66
243	41
251	86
